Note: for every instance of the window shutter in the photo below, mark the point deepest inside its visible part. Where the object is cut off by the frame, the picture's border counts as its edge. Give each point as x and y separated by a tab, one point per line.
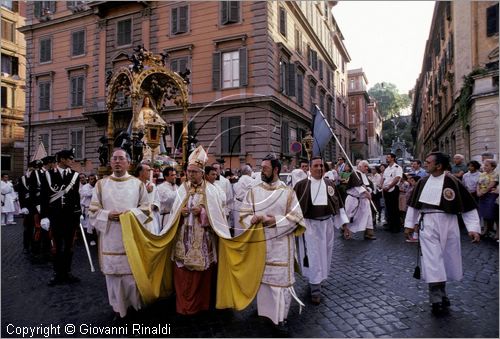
234	11
282	24
38	8
309	56
225	135
224	12
285	135
321	69
234	135
216	70
492	20
315	60
243	67
73	92
80	91
43	48
74	44
183	19
175	21
300	89
15	65
291	80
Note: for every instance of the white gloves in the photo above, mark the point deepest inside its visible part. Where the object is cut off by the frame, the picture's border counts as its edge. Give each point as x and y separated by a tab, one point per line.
45	224
24	210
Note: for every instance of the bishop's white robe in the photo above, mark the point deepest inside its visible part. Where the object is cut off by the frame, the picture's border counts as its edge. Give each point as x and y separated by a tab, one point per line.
117	194
240	190
276	289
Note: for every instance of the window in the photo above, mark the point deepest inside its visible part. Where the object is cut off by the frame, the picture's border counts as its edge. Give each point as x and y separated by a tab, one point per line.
492	20
78	43
282	21
300	88
8	30
124	32
229	69
6	163
285	137
298	41
312	58
76	142
230	12
179	64
45	138
287	77
313	95
11	5
43	8
179	20
44	96
322	101
74	4
10	64
329	78
351	84
8	97
77	90
231	135
45	49
320	64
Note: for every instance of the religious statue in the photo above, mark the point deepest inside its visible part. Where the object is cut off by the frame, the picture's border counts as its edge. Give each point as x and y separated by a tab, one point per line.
147	114
103	150
123	141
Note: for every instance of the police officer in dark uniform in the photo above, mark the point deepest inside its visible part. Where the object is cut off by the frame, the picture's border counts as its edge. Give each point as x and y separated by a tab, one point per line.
60	204
41	246
27	206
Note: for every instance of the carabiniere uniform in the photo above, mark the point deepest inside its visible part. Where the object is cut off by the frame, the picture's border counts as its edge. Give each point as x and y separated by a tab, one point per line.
60	203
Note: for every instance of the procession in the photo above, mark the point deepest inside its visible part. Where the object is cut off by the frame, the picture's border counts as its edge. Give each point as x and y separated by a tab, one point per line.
223	169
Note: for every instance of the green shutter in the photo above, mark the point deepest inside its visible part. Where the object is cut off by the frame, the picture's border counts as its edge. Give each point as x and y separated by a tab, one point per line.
216	70
243	67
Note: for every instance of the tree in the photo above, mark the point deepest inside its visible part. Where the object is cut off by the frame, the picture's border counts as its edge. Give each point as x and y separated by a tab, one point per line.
390	104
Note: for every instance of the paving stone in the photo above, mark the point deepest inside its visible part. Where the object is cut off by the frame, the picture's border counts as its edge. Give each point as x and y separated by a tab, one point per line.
370	293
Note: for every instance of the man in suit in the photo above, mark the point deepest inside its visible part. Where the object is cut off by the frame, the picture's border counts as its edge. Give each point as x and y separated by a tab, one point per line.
60	208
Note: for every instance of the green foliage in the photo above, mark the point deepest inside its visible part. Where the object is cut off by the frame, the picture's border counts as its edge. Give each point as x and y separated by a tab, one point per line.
463	103
390	101
390	105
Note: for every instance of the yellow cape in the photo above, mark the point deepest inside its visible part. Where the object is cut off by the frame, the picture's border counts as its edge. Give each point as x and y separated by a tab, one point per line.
240	265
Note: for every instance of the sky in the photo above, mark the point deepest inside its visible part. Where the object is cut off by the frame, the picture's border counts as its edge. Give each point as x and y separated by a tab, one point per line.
386	38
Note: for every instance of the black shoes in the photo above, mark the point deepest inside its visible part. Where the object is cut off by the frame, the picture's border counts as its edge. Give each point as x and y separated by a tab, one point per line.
441	308
71	279
282	330
55	280
315	299
61	280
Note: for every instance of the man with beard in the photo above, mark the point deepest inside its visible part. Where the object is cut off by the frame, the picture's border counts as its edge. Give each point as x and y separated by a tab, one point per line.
323	210
275	206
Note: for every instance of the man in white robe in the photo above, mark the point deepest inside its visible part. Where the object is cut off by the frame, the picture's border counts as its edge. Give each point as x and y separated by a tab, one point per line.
8	198
322	208
301	173
245	182
275	205
114	195
227	188
358	203
433	208
167	192
86	192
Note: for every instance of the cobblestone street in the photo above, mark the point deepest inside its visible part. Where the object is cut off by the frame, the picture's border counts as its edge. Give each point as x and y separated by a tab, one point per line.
370	293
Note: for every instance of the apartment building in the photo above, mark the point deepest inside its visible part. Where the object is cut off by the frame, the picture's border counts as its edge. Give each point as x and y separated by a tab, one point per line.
455	102
358	112
13	87
257	68
375	137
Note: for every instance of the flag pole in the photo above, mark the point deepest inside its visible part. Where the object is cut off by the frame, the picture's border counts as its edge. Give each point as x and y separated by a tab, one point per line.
342	148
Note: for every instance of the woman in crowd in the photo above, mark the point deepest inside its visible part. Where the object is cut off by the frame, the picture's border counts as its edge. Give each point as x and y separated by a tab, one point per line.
486	192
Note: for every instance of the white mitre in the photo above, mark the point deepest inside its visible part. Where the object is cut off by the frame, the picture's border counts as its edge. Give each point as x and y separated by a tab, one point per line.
198	158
